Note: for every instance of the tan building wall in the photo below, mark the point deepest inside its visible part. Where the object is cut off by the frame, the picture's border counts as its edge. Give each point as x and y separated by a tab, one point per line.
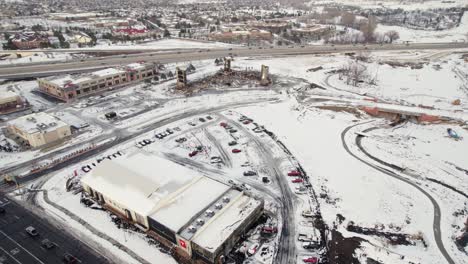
38	139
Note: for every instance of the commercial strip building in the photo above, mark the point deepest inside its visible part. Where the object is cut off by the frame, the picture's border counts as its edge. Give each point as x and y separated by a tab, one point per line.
11	102
39	129
71	87
240	35
199	217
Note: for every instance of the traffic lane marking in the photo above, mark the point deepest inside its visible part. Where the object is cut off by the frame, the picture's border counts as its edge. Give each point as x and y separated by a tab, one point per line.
14	241
13	258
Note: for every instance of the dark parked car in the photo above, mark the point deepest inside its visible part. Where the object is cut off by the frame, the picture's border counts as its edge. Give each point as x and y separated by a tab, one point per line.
111	115
2	210
236	151
69	258
232	143
193	153
47	244
201	119
250	173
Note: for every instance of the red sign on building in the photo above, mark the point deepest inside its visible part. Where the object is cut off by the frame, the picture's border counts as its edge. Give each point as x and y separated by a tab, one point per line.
182	243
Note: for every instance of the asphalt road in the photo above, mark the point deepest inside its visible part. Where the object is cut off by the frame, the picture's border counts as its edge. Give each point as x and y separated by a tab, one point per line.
31	71
17	247
437	213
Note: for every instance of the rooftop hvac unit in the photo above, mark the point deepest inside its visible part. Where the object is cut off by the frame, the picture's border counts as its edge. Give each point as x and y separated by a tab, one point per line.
32	119
52	124
218	206
226	199
42	126
200	222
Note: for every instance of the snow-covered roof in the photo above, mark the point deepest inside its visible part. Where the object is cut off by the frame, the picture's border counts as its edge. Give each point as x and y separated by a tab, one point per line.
7	96
223	224
108	72
37	122
152	186
138	181
135	66
175	212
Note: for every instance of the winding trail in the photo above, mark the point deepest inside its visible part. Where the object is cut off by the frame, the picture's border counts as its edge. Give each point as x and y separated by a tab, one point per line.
437	213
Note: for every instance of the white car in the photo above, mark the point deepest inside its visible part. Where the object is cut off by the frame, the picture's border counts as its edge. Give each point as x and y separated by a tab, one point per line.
307	213
253	249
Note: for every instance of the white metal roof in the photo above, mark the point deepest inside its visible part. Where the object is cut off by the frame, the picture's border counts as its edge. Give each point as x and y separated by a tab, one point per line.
177	211
152	186
224	223
138	181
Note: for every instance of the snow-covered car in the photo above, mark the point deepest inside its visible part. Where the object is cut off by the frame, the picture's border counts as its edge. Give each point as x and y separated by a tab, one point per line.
192	123
245	186
307	213
300	191
305	237
236	151
31	231
253	249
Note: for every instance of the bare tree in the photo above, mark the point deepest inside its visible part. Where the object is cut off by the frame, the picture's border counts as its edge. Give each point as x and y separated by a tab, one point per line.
392	35
354	72
368	28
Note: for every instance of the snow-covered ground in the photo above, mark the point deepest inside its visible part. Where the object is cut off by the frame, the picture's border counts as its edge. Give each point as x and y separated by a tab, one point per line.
347	186
29	57
359	193
164	44
395	4
458	34
437	84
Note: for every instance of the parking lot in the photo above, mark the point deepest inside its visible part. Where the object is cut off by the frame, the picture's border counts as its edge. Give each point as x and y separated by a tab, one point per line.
17	246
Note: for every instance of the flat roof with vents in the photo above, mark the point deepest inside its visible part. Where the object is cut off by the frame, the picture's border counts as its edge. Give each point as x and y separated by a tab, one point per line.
37	122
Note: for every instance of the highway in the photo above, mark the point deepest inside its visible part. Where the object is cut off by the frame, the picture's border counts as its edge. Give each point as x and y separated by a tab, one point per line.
83	65
436	207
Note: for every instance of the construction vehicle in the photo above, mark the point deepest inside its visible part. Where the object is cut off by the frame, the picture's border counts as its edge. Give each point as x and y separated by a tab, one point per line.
8	179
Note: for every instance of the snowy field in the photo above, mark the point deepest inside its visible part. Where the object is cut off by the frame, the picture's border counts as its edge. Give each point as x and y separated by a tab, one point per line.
458	34
164	44
35	57
394	4
345	185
